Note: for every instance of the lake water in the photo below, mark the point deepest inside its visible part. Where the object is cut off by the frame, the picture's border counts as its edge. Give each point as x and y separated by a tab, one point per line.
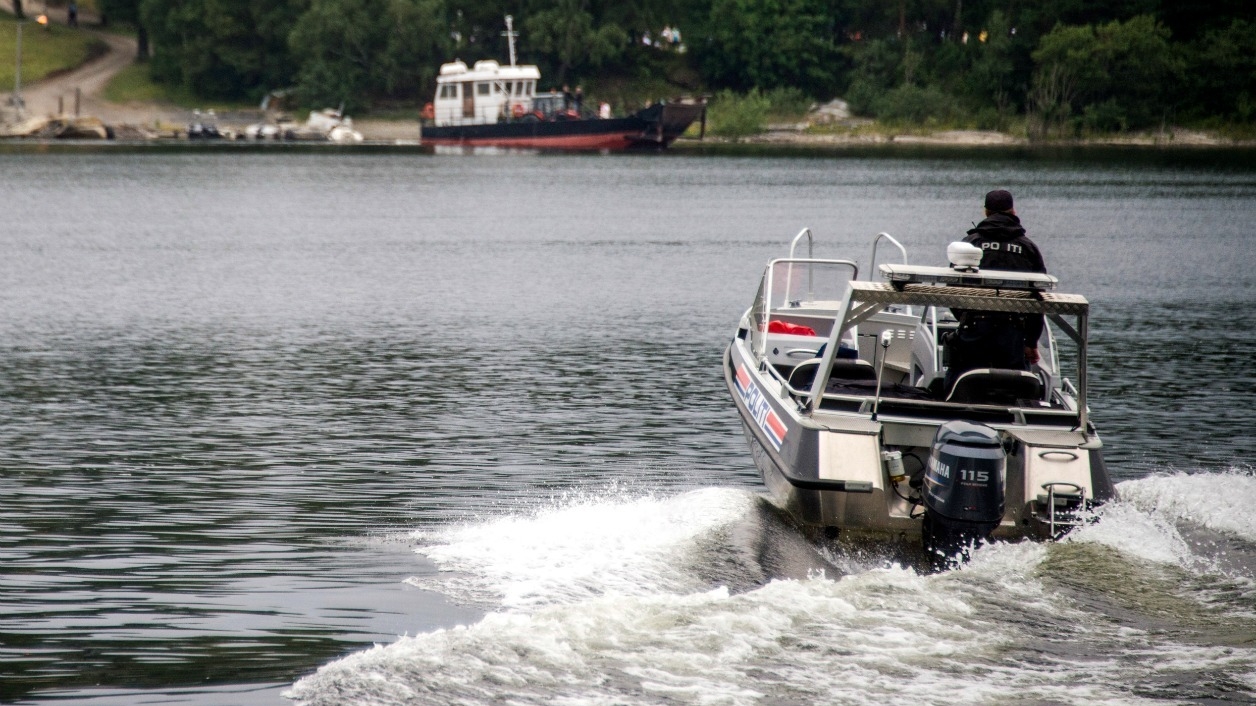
385	427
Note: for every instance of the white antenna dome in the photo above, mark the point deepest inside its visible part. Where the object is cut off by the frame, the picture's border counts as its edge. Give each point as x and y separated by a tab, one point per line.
963	256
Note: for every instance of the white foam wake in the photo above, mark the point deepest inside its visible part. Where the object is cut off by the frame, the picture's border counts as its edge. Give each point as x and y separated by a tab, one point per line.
587	547
1219	501
701	648
883	636
603	601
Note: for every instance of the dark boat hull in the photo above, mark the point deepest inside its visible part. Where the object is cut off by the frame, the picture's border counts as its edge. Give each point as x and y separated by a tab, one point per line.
653	127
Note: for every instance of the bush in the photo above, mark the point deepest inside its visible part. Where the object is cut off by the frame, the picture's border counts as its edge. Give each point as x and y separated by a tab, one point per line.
788	102
862	96
993	118
736	116
1107	116
912	104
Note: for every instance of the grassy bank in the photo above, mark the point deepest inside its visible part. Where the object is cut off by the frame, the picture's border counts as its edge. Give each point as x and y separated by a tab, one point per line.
134	85
45	50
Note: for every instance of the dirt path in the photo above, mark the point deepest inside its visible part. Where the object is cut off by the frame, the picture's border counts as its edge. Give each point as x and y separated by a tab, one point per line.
86	82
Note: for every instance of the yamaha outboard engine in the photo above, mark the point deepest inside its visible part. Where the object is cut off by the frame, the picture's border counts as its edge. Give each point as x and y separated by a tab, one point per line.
963	490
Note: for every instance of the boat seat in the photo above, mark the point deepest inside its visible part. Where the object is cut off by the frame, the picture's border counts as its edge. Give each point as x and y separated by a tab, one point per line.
843	369
996	386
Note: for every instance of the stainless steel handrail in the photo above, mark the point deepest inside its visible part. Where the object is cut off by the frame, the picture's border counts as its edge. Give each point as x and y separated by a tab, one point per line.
872	262
810	243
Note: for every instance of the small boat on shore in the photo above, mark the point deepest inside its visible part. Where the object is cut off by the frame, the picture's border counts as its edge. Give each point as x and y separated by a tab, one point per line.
840	384
490	105
328	124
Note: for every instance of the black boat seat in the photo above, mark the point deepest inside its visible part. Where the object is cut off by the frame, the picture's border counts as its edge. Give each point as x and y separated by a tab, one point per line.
804	374
996	386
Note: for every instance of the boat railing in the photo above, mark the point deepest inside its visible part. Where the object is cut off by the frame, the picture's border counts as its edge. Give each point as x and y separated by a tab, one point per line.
810	255
876	241
892	406
872	260
811	243
929	408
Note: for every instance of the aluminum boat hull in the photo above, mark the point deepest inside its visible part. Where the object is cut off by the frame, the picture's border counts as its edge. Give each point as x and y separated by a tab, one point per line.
820	489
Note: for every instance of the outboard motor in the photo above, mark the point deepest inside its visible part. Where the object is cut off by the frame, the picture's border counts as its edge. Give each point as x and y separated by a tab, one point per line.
963	490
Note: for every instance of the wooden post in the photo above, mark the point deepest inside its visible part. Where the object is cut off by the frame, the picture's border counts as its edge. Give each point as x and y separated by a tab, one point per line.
78	97
60	105
17	71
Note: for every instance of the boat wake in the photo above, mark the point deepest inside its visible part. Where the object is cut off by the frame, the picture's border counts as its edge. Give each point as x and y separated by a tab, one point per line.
589	547
712	597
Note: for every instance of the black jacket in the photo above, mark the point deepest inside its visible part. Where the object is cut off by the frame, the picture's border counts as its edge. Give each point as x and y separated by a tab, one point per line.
1004	246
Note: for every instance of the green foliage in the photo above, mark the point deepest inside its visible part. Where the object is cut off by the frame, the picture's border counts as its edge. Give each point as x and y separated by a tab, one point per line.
769	43
351	51
1222	67
787	103
915	105
135	84
734	116
989	80
875	71
221	48
127	11
1106	117
567	33
1124	72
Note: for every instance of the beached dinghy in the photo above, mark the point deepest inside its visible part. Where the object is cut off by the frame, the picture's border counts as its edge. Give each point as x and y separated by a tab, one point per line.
839	382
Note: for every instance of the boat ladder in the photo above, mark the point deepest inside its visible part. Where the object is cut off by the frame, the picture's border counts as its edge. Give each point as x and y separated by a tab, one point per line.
1061	507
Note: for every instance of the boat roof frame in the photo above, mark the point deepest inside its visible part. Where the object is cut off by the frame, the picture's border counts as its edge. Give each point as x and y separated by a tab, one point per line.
863	299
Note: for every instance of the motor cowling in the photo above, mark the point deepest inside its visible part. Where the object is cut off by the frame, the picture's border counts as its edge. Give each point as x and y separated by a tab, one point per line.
963	489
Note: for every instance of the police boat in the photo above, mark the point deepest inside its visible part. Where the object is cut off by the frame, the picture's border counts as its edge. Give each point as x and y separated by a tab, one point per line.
841	386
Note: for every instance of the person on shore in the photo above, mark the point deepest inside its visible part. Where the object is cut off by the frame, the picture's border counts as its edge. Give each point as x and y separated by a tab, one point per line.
987	339
579	100
71	14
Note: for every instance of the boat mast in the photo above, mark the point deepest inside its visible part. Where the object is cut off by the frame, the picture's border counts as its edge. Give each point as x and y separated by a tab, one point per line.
510	35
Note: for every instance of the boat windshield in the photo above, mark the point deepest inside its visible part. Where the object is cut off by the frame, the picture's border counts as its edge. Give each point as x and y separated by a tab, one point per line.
800	296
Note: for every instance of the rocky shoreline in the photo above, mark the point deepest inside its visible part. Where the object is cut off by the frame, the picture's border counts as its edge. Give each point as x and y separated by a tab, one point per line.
1175	137
827	127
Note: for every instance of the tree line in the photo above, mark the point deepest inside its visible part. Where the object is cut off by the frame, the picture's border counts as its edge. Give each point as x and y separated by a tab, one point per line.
1065	65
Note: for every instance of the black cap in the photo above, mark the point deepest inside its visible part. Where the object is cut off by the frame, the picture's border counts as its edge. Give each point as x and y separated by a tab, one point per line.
999	200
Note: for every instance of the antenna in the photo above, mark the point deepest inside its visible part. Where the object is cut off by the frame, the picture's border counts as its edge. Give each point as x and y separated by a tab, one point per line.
887	337
510	35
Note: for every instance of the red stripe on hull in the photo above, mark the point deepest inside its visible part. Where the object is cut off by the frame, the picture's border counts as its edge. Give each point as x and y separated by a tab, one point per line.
614	141
777	426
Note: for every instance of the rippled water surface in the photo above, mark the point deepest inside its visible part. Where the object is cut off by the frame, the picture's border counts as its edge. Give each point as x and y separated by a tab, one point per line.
264	410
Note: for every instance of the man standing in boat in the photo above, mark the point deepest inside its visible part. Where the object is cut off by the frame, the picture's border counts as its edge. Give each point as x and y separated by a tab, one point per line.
990	339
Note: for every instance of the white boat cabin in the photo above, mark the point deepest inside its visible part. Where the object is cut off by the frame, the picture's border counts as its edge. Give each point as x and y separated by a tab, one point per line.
484	93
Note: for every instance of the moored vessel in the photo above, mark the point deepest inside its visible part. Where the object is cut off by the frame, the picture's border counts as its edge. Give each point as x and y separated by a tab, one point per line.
491	105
